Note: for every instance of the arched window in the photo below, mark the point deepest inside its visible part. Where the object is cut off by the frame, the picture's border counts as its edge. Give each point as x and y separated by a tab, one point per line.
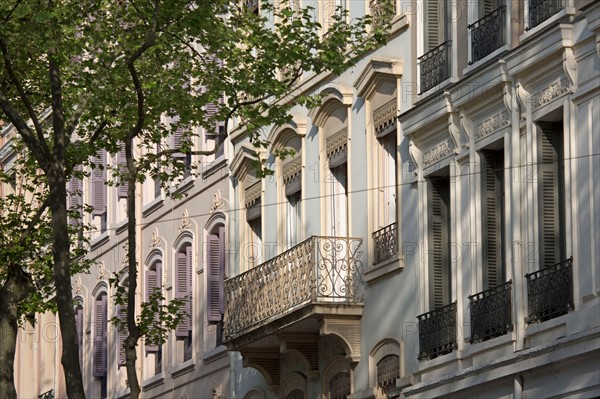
339	386
101	341
295	394
388	371
79	326
153	284
215	276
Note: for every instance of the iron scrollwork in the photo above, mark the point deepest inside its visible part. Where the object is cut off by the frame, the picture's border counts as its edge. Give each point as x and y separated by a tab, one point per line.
550	291
491	314
437	332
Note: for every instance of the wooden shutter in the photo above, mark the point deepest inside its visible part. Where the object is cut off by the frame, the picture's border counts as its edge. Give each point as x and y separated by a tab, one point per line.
492	209
79	329
153	282
122	162
183	289
439	239
100	341
98	183
435	23
122	313
215	267
550	193
487	6
76	197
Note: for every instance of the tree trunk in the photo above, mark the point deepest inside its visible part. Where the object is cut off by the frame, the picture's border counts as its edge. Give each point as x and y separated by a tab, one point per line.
134	334
62	280
15	289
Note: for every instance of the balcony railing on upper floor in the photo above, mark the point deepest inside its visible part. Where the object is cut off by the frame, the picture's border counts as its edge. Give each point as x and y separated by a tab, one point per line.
491	313
437	332
316	271
488	34
550	291
541	10
386	242
435	66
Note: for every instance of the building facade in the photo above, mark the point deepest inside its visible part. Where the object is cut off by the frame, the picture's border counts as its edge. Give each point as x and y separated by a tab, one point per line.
434	233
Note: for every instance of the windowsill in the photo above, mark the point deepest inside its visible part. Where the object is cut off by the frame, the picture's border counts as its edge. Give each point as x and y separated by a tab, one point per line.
121	226
528	34
152	206
99	240
381	269
214	166
153	382
438	361
185	185
214	354
474	348
491	56
183	368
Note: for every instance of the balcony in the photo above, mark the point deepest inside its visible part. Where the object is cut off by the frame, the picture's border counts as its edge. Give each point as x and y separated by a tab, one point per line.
550	291
385	241
312	289
541	10
488	34
435	66
437	332
491	314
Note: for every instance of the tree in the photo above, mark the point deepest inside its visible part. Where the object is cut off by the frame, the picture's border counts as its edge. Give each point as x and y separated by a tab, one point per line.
111	72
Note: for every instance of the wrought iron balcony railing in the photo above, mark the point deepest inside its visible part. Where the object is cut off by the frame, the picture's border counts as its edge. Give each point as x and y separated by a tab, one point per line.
437	332
435	66
318	270
491	313
550	291
488	34
541	10
386	242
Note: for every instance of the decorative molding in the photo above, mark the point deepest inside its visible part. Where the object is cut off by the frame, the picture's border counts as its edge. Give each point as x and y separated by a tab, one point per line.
440	151
102	272
252	194
550	93
454	130
465	127
156	242
126	257
570	68
385	116
492	124
336	142
78	286
217	202
217	390
291	169
186	223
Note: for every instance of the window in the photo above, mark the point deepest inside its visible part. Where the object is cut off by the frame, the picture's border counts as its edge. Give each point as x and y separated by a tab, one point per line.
492	209
488	31
254	219
388	371
551	193
101	342
541	10
387	179
439	241
122	333
215	257
154	283
75	198
338	188
98	190
339	386
434	63
79	320
294	219
122	164
177	143
291	171
183	289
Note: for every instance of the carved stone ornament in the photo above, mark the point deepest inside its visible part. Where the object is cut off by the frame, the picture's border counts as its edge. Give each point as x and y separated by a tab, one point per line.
156	241
438	152
549	93
78	286
186	223
102	273
126	257
217	202
492	124
217	391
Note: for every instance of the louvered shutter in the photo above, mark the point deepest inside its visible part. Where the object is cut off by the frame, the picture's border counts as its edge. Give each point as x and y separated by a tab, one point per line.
153	282
122	162
98	183
550	190
493	273
435	22
79	330
100	344
182	291
440	242
122	313
487	6
76	198
188	270
215	258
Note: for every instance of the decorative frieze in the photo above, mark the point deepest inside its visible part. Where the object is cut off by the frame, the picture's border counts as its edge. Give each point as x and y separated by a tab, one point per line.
492	124
549	93
252	194
384	117
291	169
336	142
439	152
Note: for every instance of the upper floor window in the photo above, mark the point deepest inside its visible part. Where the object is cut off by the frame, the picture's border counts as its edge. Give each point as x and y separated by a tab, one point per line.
183	290
100	359
388	371
79	327
98	190
439	241
253	202
541	10
434	64
75	199
122	165
291	170
215	257
488	32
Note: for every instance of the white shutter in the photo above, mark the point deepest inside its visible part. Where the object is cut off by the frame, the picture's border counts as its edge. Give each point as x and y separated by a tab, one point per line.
439	241
492	209
435	23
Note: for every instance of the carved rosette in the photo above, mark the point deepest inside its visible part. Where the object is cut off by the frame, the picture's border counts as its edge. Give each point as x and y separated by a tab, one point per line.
492	124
